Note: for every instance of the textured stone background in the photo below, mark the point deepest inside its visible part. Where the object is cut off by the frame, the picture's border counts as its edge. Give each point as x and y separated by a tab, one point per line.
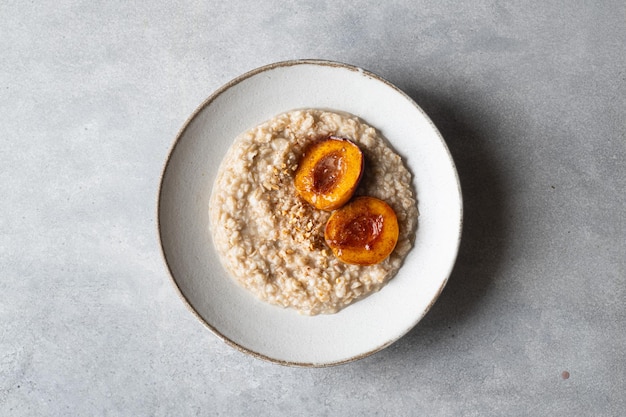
531	98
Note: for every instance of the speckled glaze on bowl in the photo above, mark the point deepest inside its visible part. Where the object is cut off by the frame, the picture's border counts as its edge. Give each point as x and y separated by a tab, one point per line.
281	335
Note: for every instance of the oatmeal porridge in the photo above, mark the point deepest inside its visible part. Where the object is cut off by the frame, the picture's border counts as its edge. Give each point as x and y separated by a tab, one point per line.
272	241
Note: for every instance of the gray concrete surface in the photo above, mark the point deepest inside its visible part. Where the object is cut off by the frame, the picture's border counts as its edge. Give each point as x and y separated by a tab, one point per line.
531	98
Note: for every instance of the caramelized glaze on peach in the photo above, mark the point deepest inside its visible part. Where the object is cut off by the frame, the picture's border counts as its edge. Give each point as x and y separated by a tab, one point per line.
329	172
363	232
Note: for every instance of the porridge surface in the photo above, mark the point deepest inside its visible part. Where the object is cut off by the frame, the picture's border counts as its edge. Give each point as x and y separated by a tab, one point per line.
272	241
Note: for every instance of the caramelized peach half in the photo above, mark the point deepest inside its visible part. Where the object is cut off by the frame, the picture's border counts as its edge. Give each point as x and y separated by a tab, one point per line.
363	232
329	172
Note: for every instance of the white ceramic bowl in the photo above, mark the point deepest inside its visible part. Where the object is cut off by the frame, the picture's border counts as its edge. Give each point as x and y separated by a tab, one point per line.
282	335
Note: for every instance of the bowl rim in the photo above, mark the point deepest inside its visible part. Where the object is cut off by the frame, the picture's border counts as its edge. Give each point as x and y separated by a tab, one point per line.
212	97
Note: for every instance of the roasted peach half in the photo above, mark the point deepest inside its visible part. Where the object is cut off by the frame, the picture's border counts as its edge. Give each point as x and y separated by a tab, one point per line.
329	172
363	232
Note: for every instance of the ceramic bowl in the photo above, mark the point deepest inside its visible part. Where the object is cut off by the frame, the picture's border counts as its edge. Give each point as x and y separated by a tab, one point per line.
282	335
